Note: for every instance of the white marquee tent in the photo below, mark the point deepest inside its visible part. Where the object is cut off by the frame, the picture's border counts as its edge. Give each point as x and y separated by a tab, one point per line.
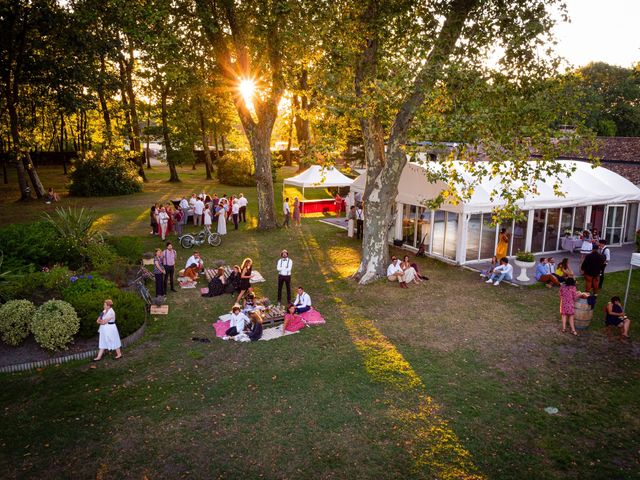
594	197
318	176
586	186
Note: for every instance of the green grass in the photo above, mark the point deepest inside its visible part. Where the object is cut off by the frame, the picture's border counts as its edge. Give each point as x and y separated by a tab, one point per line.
446	380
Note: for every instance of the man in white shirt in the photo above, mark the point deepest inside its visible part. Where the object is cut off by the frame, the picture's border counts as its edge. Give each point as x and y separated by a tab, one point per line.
195	258
286	210
502	271
242	202
184	206
163	221
192	200
238	321
302	301
359	221
604	250
235	212
198	210
284	266
395	273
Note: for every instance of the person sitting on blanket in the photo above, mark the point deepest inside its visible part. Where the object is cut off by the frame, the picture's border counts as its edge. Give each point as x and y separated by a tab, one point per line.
191	272
217	285
249	304
292	321
233	281
238	321
255	333
302	301
195	258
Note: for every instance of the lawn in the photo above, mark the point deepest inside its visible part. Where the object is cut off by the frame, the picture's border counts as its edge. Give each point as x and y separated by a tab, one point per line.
447	380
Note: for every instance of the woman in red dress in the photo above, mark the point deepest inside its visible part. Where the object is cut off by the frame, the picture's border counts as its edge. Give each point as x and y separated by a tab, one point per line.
292	321
170	212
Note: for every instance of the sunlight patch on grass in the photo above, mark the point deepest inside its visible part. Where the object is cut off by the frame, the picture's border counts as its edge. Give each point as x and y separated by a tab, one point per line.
344	260
103	222
432	443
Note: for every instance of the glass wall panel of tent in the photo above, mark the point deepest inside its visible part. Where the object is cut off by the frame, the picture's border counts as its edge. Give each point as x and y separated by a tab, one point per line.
416	226
631	224
445	234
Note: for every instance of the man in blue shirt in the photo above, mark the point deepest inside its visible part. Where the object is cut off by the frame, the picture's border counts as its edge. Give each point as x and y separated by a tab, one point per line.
543	275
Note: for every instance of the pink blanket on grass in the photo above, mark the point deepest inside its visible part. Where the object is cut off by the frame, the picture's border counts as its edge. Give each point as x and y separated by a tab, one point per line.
313	317
221	327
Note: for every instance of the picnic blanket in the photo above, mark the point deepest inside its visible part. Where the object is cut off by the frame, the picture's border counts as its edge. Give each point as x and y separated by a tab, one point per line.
186	282
312	317
267	334
256	277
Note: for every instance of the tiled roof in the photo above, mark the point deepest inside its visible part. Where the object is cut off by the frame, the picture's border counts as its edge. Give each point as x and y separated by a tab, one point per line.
615	149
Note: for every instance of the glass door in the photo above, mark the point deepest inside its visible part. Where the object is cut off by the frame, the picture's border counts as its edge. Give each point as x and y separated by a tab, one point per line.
614	224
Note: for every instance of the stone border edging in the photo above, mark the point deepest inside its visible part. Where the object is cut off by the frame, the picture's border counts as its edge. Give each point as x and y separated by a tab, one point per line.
22	367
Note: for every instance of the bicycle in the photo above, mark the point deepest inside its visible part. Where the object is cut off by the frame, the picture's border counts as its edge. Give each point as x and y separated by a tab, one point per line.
212	238
139	284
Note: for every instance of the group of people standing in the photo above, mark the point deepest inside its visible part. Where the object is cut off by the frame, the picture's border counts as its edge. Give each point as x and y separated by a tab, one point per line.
166	219
286	211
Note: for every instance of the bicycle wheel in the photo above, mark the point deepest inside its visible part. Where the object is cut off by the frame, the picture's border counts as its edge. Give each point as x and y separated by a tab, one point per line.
214	239
144	293
187	241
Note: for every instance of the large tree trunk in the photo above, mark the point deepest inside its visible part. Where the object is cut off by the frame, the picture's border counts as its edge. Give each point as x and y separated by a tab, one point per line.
108	133
23	159
133	112
302	124
205	142
384	170
173	172
259	136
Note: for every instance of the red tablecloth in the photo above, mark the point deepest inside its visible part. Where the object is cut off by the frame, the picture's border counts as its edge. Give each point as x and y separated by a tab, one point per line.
318	206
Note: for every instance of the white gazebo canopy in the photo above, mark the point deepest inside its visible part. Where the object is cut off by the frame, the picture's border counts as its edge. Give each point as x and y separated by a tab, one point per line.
318	176
586	186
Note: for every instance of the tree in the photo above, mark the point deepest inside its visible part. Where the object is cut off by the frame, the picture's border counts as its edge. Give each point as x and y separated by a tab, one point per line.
247	39
611	98
25	30
408	52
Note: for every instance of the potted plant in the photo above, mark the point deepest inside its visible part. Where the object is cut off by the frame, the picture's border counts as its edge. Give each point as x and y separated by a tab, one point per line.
524	260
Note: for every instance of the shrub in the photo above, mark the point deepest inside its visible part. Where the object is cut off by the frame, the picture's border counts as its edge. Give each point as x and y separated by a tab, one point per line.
130	312
76	233
56	278
236	168
101	257
86	295
108	172
525	257
130	248
36	243
54	325
15	319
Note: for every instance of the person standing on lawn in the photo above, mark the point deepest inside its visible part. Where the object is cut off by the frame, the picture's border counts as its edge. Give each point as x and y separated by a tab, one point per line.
568	297
109	338
359	221
235	212
591	268
158	272
604	251
184	208
163	222
286	210
284	266
351	220
243	202
169	257
198	210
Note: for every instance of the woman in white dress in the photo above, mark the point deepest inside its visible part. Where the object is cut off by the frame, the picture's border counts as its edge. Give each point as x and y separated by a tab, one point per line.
109	336
207	219
222	220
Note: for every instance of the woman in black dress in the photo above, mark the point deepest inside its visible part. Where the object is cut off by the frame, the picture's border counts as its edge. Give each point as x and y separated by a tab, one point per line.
245	277
217	284
233	282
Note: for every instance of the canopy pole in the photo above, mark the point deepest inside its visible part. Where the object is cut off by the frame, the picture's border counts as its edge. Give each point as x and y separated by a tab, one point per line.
626	294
